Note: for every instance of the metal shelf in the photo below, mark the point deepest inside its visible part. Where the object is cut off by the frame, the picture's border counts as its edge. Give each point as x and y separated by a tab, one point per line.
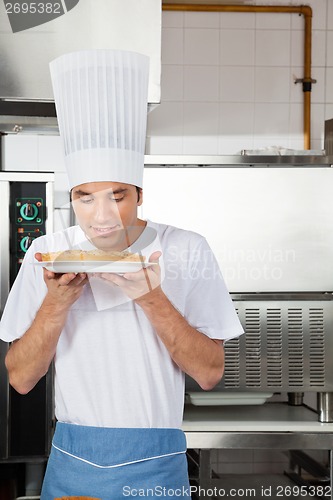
273	426
238	160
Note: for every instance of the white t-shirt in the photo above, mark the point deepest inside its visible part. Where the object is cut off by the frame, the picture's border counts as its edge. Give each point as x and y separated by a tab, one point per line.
111	368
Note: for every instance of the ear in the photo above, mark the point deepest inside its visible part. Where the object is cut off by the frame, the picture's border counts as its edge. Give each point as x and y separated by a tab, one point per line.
140	197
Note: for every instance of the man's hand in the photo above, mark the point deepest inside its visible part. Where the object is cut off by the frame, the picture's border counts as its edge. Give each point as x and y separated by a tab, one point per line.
140	284
63	289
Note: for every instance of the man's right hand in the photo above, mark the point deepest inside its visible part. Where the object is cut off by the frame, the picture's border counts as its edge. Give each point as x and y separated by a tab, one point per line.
63	289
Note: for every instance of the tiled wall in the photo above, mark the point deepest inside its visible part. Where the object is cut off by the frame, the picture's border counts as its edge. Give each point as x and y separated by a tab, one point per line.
228	81
44	154
227	85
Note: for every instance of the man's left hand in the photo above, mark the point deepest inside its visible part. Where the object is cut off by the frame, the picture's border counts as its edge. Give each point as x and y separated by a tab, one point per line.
139	284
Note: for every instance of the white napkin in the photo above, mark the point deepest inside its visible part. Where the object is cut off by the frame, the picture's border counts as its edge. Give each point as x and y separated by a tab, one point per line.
108	295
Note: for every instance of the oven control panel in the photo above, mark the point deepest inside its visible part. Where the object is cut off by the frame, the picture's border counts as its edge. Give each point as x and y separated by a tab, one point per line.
27	220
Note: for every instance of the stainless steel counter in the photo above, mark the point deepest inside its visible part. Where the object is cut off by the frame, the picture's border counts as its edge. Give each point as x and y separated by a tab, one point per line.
268	426
274	426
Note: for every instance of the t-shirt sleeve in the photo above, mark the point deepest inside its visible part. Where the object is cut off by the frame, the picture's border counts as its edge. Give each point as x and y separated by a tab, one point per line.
24	299
209	307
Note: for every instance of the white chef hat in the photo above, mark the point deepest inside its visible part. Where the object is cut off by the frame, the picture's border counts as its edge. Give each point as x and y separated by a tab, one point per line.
101	102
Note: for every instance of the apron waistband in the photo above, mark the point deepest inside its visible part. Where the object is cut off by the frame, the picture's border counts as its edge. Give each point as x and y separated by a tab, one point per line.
115	447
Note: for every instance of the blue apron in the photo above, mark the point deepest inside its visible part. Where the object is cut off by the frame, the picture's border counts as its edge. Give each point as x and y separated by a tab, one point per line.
116	463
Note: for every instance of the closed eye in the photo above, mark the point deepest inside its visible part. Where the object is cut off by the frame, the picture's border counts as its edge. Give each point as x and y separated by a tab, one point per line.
86	199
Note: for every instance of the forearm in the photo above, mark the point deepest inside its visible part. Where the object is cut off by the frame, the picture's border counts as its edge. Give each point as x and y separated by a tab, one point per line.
196	354
29	358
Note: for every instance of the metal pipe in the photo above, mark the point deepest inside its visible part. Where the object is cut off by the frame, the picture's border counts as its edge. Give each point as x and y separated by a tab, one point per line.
304	10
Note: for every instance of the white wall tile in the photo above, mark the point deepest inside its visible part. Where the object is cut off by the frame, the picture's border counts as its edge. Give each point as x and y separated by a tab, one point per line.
328	111
200	128
237	47
201	46
297	48
201	119
330	16
167	145
272	84
201	20
318	88
319	48
296	89
172	82
166	120
297	21
172	46
20	152
273	48
317	121
319	13
270	143
329	48
172	19
329	85
203	145
317	144
230	146
50	154
296	141
296	120
237	20
237	84
236	119
280	21
201	83
271	119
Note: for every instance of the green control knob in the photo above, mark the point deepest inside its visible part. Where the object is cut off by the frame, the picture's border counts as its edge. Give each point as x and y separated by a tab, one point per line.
28	211
25	243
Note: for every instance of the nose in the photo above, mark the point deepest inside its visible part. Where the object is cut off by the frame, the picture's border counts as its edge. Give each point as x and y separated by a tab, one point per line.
106	212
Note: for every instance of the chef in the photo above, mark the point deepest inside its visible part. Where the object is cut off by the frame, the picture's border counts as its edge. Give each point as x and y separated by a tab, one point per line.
121	342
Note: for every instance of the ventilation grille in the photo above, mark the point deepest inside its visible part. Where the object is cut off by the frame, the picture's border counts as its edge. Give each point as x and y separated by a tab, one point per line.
274	348
253	348
232	368
286	348
317	347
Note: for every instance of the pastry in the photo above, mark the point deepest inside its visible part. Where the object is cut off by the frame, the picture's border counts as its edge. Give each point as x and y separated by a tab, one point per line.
91	255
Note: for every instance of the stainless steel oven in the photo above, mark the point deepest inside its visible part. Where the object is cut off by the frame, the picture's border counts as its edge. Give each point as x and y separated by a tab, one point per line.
271	228
26	208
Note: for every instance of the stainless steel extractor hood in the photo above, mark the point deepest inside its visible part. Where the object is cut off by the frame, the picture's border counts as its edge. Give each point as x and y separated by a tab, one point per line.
26	97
